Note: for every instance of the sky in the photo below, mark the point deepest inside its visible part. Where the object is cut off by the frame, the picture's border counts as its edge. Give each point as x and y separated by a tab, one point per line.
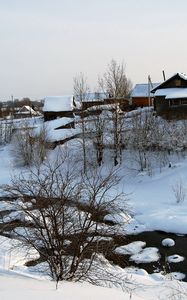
46	43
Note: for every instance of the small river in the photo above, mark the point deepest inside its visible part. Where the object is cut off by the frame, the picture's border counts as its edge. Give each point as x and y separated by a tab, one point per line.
154	239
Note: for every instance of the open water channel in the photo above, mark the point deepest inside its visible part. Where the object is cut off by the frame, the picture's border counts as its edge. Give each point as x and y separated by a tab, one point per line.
154	239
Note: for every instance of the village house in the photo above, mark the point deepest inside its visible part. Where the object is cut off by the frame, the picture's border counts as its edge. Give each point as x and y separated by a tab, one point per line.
25	112
58	107
170	97
95	103
88	100
141	94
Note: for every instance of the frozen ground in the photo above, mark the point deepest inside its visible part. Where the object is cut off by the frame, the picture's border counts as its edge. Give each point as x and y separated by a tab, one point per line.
151	198
20	287
153	201
154	207
20	283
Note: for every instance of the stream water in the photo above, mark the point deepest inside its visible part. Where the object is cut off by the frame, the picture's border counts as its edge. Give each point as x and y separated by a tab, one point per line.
154	239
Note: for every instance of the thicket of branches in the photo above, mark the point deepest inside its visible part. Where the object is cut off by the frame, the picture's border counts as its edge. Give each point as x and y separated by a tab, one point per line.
61	212
6	129
30	148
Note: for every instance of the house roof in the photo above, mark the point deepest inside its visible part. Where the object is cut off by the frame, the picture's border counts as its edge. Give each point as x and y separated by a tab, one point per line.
54	124
58	103
172	93
142	90
89	97
180	75
178	93
27	109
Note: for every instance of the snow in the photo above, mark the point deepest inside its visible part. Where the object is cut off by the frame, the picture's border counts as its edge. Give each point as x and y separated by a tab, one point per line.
176	275
91	97
14	286
147	255
175	258
132	248
28	110
58	103
51	125
182	76
178	93
6	164
55	134
172	93
156	208
168	242
153	207
167	91
20	283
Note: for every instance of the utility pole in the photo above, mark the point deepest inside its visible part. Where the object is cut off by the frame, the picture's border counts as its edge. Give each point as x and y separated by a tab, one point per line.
149	90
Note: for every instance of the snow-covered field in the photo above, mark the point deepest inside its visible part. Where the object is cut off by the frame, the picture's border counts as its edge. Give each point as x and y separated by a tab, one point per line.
19	282
154	206
153	199
20	287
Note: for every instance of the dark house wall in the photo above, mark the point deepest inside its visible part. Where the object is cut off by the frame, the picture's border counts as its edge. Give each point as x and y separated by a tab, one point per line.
67	126
161	104
51	115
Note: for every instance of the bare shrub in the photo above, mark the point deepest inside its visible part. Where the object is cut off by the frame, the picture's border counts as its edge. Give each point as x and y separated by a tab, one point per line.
179	191
62	213
6	129
30	148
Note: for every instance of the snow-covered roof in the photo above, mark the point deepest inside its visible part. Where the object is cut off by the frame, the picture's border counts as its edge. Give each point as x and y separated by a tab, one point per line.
142	89
178	93
58	103
89	97
27	109
53	124
181	75
102	107
172	93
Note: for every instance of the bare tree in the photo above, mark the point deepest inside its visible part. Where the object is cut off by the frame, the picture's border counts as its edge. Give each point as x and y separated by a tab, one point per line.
30	148
117	86
61	213
81	90
115	82
96	127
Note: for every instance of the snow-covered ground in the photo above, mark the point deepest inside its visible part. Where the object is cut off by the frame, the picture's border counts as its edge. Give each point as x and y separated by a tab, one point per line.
19	282
20	287
154	205
153	200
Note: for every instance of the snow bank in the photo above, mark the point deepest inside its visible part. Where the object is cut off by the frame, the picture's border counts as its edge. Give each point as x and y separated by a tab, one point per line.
147	255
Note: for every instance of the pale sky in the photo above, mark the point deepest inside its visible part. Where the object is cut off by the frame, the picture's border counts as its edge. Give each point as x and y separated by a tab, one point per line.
45	43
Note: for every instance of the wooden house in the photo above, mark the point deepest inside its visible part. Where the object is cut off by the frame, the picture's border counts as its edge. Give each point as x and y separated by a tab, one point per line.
170	97
95	103
141	94
58	107
88	100
26	112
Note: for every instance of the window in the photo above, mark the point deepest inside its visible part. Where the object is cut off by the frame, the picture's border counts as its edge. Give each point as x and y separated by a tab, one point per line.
184	101
175	102
177	82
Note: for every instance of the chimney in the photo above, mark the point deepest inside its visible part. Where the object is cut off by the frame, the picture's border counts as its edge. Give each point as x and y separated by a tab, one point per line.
163	72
